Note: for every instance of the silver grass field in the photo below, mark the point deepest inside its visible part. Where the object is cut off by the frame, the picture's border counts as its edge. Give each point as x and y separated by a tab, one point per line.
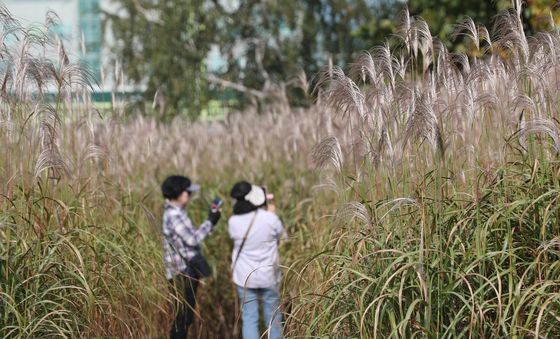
420	192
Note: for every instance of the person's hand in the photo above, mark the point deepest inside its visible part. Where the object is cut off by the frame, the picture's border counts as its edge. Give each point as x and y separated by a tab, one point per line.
271	208
214	216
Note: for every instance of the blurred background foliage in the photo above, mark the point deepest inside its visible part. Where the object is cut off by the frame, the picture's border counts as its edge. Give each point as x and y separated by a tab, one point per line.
191	52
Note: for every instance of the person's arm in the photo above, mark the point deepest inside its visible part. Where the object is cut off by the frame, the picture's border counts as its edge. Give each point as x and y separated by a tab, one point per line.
183	227
279	231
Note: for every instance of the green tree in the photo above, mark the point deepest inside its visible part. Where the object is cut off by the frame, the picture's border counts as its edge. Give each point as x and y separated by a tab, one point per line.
162	44
443	15
282	38
262	45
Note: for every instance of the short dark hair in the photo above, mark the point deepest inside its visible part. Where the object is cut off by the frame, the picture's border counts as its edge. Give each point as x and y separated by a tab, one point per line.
240	190
173	186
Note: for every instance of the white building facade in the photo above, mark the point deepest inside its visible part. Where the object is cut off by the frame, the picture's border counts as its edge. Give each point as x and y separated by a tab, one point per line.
79	25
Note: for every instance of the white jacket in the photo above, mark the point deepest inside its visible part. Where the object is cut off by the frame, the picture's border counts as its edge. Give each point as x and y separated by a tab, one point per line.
258	263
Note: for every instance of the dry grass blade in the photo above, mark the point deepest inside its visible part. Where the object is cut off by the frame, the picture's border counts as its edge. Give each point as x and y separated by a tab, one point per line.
468	29
399	203
50	157
353	211
326	152
539	126
404	30
342	94
385	146
524	103
422	122
300	81
95	152
509	35
363	69
384	59
327	184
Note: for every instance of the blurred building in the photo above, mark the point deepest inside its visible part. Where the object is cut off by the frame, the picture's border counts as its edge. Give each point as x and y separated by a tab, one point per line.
89	23
79	26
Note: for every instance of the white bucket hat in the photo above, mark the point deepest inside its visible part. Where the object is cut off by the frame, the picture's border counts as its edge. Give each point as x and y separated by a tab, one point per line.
256	196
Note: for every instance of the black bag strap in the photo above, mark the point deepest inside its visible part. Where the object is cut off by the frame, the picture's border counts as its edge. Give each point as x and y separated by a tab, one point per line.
169	239
244	239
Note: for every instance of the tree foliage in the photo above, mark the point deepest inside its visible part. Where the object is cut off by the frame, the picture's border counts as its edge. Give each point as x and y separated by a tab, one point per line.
262	45
162	45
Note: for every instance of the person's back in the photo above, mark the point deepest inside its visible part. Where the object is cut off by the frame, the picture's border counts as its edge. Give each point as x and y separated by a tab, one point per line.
255	264
258	263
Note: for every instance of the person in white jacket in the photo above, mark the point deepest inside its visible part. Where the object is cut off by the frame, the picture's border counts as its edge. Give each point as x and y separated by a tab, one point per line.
256	232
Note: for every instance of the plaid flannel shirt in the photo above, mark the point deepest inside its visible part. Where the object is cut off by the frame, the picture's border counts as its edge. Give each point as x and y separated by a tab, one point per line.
181	239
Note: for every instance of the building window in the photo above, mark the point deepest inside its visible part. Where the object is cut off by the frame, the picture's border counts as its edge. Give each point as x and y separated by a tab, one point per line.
90	26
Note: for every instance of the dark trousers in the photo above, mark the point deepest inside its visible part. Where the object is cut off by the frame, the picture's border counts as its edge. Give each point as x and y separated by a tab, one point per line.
184	289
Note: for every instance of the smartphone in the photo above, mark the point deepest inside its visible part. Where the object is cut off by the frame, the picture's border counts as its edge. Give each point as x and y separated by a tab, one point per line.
216	204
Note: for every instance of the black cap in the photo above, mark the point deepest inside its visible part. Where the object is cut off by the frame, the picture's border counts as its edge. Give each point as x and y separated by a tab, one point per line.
173	186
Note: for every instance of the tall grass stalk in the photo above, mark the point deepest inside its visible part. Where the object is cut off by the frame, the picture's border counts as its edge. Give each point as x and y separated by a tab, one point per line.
419	192
458	176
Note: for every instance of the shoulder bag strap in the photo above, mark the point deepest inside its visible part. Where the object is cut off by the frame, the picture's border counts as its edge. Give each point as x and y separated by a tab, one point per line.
245	239
170	242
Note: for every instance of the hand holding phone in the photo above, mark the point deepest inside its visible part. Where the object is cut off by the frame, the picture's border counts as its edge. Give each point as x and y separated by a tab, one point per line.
270	203
214	213
216	205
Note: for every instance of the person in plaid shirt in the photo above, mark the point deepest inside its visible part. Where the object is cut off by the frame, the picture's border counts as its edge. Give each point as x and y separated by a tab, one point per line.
181	244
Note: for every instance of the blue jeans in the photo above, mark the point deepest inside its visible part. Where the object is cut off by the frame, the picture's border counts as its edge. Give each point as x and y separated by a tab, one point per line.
249	299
